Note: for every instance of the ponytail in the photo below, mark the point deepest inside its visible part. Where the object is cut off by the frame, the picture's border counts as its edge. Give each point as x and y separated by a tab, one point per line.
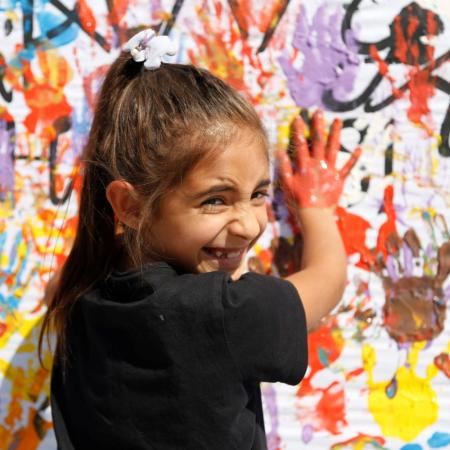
90	259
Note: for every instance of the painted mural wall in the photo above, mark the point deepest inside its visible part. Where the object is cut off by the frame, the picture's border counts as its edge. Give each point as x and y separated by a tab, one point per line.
379	371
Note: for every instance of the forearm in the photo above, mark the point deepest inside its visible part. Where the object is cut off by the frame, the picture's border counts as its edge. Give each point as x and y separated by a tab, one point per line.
322	278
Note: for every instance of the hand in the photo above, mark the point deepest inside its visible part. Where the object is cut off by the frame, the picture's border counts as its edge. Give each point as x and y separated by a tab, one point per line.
316	183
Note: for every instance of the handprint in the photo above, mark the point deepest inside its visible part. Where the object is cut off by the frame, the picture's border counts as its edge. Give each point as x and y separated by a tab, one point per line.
316	183
412	276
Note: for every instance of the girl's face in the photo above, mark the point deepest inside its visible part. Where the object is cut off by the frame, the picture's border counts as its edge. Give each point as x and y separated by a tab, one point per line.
211	220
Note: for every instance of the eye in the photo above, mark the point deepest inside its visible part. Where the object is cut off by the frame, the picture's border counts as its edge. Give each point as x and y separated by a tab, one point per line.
213	204
213	201
260	196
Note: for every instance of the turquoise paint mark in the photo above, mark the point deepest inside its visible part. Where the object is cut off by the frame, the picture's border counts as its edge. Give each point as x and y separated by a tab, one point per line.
8	305
13	251
16	63
439	440
323	357
28	53
8	5
3	237
412	447
49	21
391	388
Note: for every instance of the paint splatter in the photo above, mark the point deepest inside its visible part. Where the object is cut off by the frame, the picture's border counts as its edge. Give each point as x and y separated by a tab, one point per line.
442	362
361	442
411	447
439	440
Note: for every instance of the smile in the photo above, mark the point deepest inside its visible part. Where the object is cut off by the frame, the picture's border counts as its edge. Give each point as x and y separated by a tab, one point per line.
224	253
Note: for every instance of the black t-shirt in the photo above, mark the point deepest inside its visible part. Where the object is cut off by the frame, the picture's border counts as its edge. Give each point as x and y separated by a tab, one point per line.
165	360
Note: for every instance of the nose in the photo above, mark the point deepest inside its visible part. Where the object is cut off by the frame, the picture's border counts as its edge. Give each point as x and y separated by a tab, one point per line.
245	223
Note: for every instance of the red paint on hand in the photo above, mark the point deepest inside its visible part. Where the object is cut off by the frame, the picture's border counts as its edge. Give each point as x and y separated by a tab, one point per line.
316	183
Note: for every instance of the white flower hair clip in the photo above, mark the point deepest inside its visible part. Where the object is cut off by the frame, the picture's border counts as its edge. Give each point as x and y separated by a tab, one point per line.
146	46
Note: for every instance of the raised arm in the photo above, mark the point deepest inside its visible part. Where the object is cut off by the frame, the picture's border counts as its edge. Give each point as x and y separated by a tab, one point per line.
313	191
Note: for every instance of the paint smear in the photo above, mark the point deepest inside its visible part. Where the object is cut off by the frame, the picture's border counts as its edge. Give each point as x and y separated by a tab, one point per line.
361	442
414	309
388	240
442	362
325	345
353	229
439	440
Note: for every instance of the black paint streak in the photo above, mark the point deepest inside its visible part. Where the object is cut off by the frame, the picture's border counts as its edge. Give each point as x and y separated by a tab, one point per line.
364	47
54	197
110	7
234	6
444	147
7	95
417	58
166	27
8	27
273	26
389	160
27	23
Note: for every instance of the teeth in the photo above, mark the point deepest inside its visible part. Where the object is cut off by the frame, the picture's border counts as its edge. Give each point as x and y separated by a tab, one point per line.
223	255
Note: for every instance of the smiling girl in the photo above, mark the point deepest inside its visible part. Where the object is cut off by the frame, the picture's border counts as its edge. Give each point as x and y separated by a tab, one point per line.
163	338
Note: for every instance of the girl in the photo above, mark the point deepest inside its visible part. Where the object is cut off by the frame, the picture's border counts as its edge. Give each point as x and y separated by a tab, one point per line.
162	340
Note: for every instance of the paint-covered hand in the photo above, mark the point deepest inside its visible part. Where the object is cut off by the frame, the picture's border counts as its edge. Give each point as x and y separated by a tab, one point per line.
316	183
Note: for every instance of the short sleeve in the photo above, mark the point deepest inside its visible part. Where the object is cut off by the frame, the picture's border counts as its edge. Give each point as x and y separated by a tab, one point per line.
265	327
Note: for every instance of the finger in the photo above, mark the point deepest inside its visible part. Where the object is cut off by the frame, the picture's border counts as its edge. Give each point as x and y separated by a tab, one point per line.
301	145
285	169
318	133
350	163
334	142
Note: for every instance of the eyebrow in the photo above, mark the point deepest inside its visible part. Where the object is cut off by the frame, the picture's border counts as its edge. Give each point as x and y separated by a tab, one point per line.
225	187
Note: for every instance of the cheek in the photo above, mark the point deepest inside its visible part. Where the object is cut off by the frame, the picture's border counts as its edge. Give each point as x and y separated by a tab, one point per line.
207	228
263	218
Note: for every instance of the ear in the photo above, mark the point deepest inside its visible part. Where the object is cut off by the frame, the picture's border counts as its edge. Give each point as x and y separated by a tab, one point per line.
123	199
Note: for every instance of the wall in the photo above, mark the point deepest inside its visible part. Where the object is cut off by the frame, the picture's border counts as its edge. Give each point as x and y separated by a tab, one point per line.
379	364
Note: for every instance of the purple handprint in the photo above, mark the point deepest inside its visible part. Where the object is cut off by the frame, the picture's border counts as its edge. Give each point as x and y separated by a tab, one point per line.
328	63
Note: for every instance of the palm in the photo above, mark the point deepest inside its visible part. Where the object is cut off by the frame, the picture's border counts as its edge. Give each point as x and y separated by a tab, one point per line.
316	182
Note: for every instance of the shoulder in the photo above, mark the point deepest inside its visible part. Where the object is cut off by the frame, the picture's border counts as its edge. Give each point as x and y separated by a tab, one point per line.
260	288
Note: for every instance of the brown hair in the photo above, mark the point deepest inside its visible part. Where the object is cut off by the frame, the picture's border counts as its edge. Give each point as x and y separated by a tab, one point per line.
150	128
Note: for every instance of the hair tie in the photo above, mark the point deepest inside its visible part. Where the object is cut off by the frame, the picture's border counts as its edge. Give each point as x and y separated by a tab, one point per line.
146	46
